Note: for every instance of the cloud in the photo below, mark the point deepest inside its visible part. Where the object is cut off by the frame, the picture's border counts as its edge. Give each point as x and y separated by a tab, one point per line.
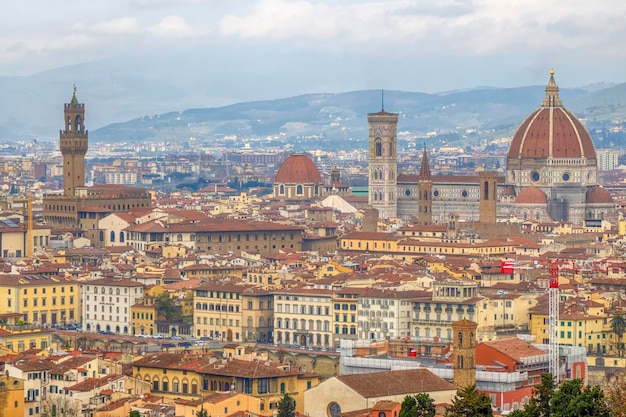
121	26
176	26
479	26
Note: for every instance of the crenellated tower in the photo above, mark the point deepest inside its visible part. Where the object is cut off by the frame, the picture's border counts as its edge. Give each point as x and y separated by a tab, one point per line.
74	145
424	197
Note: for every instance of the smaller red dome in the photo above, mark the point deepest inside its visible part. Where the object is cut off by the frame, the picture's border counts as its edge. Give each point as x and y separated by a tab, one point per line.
531	195
599	195
298	169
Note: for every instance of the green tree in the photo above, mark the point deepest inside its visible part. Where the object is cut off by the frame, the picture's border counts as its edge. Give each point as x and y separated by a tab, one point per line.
570	399
202	412
469	402
618	326
286	406
134	413
167	309
419	405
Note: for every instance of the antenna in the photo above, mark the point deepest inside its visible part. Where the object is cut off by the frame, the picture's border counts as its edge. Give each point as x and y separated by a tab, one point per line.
382	100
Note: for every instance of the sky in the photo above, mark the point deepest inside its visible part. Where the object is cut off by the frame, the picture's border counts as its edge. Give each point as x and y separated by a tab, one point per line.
330	45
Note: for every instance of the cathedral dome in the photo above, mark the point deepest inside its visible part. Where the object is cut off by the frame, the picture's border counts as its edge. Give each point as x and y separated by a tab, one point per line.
531	195
551	132
300	169
599	195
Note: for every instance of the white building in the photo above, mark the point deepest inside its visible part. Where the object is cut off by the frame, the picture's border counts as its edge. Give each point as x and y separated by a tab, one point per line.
607	159
385	313
303	317
107	302
121	178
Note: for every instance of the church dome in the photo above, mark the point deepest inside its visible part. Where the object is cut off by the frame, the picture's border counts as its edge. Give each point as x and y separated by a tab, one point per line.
531	195
599	195
551	132
300	169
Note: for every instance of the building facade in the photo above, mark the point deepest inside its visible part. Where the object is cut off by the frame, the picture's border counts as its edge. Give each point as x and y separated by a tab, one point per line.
107	305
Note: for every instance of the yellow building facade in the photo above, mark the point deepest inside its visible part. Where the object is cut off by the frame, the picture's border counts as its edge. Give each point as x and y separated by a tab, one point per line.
143	317
42	300
218	311
194	376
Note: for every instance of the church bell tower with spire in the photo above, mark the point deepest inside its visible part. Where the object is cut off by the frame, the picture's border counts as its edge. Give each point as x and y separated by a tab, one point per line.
424	197
74	145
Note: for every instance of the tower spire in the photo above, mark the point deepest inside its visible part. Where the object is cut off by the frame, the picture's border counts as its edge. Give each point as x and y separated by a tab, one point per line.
552	93
425	169
74	100
382	100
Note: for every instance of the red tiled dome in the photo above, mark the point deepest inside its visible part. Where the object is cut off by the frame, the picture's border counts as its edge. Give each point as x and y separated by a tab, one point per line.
599	195
531	195
552	132
298	169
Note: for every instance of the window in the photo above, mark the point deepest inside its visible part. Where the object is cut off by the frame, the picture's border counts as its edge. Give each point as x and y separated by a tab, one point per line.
263	385
333	409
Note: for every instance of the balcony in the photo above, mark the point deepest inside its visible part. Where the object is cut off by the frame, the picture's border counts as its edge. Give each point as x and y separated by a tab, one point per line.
432	322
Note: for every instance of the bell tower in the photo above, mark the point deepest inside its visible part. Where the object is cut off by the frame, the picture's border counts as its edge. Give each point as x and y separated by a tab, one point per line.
487	207
74	145
424	197
464	344
382	163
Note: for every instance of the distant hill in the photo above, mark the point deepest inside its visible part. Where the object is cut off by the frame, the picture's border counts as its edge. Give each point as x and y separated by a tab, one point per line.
342	116
187	105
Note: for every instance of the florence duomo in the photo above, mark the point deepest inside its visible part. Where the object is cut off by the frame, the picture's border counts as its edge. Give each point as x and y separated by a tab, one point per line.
551	173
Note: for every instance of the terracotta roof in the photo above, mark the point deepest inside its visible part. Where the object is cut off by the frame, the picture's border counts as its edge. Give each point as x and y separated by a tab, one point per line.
599	195
531	195
410	381
385	405
298	169
551	132
514	348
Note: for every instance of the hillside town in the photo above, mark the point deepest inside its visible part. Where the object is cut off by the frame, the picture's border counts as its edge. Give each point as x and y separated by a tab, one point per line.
117	297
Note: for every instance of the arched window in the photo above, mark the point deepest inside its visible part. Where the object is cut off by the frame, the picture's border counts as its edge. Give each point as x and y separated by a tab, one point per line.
179	237
281	189
250	322
317	189
486	191
112	236
378	147
299	190
460	339
77	126
282	387
101	236
460	362
122	237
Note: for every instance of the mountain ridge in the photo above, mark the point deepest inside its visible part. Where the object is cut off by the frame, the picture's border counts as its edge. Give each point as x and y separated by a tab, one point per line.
192	106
